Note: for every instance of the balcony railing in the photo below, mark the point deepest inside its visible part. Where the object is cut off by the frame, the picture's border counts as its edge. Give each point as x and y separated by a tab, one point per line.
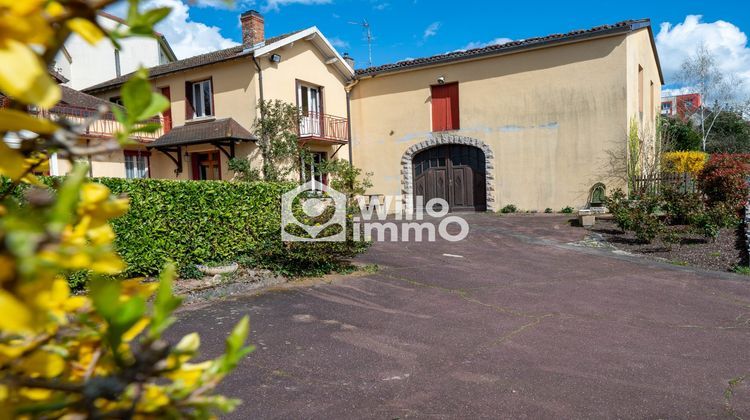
324	126
103	127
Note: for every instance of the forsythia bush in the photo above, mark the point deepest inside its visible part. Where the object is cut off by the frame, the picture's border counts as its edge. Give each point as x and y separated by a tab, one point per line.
724	180
99	355
684	162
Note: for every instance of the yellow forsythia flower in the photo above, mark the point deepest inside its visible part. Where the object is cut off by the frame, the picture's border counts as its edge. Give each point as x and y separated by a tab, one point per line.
684	162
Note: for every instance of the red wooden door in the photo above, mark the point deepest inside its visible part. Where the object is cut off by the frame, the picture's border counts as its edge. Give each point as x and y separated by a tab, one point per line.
445	107
167	114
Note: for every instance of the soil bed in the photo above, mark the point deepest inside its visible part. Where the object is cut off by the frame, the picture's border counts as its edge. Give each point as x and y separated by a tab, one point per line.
724	254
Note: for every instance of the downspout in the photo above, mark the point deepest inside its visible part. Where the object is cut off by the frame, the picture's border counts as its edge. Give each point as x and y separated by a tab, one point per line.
260	81
348	90
260	92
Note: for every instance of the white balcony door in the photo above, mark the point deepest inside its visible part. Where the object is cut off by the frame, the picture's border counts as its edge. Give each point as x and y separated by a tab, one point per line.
309	102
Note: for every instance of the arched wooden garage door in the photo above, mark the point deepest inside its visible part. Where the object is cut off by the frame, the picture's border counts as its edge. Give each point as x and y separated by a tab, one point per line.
453	172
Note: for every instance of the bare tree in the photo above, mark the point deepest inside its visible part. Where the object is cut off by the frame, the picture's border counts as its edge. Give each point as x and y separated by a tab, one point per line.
717	88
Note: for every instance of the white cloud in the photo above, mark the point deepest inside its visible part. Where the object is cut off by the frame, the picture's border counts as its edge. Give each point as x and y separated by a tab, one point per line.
431	30
381	6
725	40
338	42
186	37
677	91
223	4
496	41
274	5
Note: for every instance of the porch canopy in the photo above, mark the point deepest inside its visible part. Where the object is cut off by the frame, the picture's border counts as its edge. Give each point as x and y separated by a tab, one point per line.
222	133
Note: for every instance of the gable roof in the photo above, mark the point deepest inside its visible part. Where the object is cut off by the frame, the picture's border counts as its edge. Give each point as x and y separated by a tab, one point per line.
515	46
212	57
317	38
77	98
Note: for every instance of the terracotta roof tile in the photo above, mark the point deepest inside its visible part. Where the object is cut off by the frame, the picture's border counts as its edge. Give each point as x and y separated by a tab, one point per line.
203	132
623	26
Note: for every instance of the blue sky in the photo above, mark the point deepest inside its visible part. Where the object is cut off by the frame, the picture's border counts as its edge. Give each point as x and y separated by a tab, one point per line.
414	28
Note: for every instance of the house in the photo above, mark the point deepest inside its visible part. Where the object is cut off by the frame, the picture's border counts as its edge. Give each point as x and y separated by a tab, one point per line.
682	106
534	122
214	100
84	65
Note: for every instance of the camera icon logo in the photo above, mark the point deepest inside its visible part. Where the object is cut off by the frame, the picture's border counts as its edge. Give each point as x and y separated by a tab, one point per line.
314	200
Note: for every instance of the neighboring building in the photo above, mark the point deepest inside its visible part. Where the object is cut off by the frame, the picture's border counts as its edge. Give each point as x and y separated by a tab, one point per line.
75	107
214	98
85	65
682	106
534	123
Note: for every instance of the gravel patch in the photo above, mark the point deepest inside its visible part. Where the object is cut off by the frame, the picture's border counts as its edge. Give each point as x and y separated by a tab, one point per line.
222	285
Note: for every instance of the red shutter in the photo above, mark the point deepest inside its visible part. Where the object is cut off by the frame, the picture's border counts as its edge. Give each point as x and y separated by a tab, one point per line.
189	111
445	107
439	111
452	106
167	114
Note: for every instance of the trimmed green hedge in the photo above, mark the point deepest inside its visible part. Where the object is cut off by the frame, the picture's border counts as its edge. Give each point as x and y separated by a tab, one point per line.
193	222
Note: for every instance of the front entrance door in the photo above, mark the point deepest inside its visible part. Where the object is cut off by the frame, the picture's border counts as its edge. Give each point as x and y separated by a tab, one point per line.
453	172
206	165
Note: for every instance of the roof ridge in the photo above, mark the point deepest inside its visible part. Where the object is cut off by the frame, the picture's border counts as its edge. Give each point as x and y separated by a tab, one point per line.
211	57
473	52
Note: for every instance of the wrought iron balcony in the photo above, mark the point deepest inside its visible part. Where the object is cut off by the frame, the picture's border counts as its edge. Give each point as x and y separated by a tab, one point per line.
314	125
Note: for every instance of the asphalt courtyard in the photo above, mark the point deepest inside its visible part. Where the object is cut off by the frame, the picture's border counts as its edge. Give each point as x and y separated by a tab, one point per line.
514	322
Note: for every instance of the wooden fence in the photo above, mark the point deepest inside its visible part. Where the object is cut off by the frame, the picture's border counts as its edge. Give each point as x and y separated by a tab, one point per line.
649	185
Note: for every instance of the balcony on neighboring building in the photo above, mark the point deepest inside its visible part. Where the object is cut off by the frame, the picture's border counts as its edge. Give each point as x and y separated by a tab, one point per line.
103	126
100	126
323	127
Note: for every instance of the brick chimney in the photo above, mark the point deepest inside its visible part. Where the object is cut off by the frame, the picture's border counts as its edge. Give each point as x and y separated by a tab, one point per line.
252	28
349	60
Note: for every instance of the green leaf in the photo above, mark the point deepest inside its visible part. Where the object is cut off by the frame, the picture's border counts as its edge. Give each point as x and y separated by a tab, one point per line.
165	302
146	128
105	294
157	103
236	349
136	94
67	198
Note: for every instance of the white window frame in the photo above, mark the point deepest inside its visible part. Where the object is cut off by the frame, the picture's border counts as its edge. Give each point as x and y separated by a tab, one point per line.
139	165
199	95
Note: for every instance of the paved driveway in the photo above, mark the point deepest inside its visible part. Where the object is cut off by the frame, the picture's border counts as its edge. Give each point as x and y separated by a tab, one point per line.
522	325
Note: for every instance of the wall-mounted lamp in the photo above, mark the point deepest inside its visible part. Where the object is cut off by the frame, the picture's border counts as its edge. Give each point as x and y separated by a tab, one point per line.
441	80
275	58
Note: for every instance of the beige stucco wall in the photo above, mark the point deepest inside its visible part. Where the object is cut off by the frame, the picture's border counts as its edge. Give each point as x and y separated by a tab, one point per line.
640	53
303	62
550	116
236	93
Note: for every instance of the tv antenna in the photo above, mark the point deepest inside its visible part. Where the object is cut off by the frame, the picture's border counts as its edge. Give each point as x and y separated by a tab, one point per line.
368	36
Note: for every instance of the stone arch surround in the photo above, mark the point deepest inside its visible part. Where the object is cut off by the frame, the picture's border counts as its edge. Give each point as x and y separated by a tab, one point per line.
407	176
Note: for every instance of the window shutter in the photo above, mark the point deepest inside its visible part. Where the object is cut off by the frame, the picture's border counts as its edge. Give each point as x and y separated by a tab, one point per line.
452	120
439	111
189	111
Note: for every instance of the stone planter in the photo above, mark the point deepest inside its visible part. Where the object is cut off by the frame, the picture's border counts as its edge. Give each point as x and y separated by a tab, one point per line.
222	269
586	218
